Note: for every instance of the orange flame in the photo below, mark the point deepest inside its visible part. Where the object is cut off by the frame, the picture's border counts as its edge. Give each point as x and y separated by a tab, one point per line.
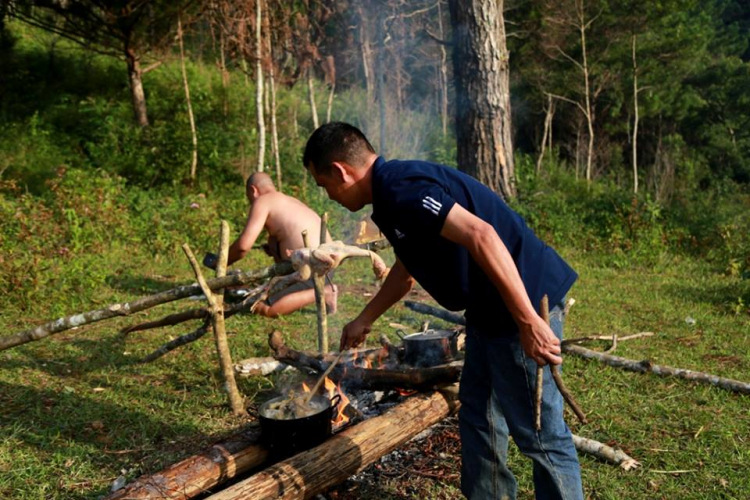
406	392
305	388
340	418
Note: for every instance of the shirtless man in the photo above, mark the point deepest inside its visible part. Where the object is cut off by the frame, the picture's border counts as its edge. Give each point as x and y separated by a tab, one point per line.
284	218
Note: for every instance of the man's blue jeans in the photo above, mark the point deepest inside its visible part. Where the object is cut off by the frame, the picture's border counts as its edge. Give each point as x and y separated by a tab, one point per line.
497	399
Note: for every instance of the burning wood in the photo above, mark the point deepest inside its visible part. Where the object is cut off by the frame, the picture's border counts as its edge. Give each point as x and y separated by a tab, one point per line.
364	377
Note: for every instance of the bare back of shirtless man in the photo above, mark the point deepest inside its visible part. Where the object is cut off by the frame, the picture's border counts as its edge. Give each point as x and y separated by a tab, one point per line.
284	218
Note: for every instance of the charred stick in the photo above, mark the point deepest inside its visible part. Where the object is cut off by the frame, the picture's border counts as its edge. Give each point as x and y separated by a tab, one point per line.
435	311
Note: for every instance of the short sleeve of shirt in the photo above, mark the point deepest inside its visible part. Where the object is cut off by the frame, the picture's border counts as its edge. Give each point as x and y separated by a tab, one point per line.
419	204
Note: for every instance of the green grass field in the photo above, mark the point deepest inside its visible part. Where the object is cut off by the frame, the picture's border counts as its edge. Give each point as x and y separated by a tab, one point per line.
77	410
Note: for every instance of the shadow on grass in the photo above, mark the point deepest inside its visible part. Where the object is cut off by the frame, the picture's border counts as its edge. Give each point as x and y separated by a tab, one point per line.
724	295
138	284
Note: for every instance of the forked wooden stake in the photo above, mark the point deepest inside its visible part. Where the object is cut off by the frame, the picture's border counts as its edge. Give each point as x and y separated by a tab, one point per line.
557	376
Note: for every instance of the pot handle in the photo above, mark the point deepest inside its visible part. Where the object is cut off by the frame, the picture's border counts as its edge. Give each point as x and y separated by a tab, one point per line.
401	334
336	397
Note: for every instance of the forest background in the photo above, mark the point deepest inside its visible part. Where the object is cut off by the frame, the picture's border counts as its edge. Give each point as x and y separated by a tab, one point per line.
631	133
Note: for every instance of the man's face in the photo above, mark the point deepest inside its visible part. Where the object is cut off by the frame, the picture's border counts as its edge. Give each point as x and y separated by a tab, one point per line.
340	187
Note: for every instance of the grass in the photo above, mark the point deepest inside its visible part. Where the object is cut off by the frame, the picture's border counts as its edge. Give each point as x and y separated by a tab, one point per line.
78	410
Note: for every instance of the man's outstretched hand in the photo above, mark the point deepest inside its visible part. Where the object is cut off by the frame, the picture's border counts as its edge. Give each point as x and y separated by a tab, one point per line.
211	260
354	334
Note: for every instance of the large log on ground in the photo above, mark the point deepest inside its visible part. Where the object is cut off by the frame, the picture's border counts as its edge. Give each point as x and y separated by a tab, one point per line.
198	473
123	309
380	379
311	472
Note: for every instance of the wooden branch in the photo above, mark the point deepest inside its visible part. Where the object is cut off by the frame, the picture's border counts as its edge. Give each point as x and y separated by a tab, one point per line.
126	308
258	366
179	341
604	452
197	474
557	376
435	311
540	373
311	472
319	284
170	320
216	302
663	371
578	340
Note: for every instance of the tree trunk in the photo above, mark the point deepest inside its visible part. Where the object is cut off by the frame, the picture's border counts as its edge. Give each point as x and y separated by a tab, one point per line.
364	44
547	130
443	73
274	128
311	97
259	87
198	473
635	119
225	73
582	26
348	452
136	88
483	119
380	86
193	133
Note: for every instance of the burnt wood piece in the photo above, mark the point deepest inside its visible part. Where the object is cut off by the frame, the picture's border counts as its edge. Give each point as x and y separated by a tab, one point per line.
664	371
198	473
311	472
435	311
404	378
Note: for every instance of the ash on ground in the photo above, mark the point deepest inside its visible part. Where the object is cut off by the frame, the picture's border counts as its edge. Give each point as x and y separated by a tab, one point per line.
411	471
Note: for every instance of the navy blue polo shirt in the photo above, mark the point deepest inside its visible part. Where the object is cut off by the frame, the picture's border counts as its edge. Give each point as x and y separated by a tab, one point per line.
411	200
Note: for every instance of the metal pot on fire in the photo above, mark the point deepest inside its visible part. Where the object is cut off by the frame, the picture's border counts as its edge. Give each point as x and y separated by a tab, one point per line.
430	347
288	432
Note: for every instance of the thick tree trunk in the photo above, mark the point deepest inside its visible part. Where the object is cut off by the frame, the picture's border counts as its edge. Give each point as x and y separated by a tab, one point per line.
199	473
348	452
483	119
191	118
136	87
126	308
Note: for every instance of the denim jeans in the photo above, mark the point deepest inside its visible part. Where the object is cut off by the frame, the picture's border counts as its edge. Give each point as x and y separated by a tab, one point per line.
497	400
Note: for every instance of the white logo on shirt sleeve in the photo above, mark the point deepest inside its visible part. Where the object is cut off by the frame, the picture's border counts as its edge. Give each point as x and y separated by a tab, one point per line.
431	204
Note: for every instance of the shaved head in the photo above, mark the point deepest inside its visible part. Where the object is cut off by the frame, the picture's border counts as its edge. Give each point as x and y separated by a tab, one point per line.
262	181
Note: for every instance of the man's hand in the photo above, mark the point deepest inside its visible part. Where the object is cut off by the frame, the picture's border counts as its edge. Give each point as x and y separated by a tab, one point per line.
354	334
211	260
540	343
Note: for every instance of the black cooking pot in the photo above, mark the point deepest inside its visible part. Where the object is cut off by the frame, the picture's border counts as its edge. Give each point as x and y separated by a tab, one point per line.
430	348
287	437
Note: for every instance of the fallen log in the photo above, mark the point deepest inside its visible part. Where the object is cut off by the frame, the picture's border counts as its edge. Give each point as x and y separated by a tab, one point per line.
645	365
604	452
126	308
380	379
199	473
311	472
451	317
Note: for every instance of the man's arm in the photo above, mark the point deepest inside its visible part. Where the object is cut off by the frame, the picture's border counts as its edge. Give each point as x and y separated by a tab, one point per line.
489	251
396	285
256	220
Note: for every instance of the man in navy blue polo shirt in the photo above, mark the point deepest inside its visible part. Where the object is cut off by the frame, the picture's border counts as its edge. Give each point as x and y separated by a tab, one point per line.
470	251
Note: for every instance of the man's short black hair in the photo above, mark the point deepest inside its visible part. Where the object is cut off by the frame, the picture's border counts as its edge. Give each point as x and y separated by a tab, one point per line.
336	141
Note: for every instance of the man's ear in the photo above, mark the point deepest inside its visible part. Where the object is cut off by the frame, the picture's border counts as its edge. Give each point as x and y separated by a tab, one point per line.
340	170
